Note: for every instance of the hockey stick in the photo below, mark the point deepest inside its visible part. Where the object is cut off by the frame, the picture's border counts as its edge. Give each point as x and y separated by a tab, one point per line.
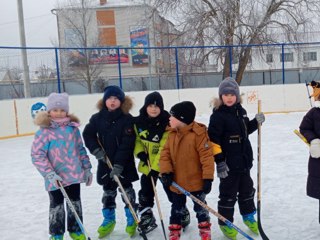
262	233
218	215
123	192
309	96
301	137
126	199
65	195
157	201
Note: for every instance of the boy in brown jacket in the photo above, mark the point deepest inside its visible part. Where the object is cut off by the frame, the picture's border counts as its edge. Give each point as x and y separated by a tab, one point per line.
187	159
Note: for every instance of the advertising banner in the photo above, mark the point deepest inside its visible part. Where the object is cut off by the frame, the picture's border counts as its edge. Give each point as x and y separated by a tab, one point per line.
139	38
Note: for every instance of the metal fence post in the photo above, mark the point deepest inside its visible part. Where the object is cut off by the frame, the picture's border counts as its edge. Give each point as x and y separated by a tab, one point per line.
57	67
177	68
283	75
119	67
230	62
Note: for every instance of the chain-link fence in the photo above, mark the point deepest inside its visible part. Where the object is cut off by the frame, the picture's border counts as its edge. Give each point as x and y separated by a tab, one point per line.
90	70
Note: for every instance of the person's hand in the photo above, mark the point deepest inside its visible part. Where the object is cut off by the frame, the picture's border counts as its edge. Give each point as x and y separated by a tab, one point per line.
222	169
116	171
207	183
88	177
260	118
167	179
153	173
143	158
315	148
99	154
54	178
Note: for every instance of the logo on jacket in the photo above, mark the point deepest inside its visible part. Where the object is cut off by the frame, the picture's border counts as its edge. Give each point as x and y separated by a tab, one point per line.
155	138
144	133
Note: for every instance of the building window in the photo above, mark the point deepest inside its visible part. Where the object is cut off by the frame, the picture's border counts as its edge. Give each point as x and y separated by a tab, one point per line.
269	58
309	56
287	57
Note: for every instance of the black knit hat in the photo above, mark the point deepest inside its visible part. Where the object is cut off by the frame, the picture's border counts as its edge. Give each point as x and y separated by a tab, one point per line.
154	98
229	86
113	91
184	111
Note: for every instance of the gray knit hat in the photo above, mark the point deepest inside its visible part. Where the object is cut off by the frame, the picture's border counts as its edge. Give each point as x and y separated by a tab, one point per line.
58	100
229	86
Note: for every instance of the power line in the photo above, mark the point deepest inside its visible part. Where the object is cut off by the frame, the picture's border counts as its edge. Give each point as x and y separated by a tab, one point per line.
26	19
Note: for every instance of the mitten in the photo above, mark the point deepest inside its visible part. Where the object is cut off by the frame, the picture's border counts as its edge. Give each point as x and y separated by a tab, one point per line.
153	174
54	178
99	154
88	177
207	183
222	169
260	118
143	158
315	148
116	171
167	179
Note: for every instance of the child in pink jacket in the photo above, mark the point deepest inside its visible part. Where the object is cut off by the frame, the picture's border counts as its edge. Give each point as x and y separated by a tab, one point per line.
60	157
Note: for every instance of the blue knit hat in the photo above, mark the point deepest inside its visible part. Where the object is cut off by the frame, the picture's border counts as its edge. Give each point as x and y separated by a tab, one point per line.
113	91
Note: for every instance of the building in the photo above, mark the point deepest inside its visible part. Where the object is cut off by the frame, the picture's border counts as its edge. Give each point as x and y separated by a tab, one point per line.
117	29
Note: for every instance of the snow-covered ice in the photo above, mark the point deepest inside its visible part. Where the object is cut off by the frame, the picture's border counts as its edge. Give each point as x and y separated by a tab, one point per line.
287	213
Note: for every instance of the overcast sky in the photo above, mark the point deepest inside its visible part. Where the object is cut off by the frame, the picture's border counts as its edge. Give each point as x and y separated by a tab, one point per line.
40	23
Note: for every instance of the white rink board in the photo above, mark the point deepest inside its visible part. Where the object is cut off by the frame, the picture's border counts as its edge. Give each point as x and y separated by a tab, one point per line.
274	98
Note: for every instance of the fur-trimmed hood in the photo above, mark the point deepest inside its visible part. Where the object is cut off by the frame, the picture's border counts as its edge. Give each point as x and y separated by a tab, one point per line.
215	103
43	119
126	106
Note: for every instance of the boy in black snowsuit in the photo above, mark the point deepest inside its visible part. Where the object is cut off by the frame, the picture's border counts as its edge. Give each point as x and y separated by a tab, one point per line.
229	130
110	132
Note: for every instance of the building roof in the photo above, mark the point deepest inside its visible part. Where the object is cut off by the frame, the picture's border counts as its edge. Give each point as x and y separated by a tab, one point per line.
121	3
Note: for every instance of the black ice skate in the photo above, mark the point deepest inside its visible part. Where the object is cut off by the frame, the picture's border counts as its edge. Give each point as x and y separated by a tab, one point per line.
185	219
147	220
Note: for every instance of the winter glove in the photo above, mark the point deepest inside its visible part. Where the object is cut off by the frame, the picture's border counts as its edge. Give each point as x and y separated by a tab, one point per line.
116	171
54	178
260	118
88	177
207	183
153	174
143	158
167	179
222	169
315	148
99	154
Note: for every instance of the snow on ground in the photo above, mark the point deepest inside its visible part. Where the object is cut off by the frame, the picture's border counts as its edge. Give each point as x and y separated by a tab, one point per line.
287	213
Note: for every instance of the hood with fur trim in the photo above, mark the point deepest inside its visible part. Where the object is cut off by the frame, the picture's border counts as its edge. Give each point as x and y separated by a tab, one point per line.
43	119
126	106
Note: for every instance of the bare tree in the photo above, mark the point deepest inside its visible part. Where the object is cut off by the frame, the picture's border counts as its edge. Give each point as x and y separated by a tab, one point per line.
235	22
15	80
77	22
43	75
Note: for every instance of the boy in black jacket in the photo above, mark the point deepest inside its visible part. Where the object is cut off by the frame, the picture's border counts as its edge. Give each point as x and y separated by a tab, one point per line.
110	132
229	130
